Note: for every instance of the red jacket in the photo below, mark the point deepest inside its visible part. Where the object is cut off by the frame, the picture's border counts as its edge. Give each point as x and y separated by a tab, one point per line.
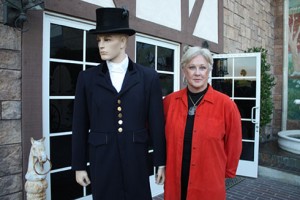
216	145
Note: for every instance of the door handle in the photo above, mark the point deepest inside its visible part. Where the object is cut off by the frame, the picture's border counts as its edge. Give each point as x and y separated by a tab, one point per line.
253	120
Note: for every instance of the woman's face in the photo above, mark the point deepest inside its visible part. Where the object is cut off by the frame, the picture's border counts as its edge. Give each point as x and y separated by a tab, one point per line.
112	47
196	73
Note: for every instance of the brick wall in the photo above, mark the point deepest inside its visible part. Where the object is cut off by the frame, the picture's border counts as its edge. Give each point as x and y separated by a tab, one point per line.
278	65
258	23
11	180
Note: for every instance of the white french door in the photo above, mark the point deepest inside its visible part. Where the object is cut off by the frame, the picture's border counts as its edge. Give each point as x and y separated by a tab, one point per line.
238	76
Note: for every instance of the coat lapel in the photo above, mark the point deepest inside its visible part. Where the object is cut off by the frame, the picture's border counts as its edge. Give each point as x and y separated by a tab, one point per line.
131	78
103	79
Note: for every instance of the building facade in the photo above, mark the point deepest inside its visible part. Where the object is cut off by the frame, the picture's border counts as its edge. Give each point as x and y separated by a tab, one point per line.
39	66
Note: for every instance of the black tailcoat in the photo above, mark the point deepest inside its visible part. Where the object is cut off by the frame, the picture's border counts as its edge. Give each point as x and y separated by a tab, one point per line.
115	129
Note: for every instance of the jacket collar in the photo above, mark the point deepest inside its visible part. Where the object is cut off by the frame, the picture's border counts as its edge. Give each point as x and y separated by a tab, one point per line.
209	95
131	78
104	68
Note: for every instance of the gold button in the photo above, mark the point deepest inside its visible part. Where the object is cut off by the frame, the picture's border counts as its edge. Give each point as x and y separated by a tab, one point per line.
120	130
119	108
120	115
119	101
120	122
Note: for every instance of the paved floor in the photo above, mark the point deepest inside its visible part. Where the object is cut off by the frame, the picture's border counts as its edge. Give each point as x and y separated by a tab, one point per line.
261	188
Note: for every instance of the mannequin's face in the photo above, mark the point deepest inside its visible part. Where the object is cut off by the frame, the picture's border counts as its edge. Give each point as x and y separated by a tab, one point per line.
112	46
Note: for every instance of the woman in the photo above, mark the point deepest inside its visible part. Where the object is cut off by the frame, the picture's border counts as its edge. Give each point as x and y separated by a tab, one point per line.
203	134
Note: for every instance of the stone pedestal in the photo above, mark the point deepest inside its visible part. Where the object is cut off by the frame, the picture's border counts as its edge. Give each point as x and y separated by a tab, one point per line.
36	190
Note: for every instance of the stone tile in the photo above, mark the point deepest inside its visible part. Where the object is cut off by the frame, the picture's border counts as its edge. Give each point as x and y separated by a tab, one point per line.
11	110
10	59
10	84
10	159
1	12
14	196
10	131
10	184
10	38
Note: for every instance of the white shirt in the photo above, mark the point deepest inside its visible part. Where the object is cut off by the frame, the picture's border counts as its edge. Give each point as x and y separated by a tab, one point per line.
117	72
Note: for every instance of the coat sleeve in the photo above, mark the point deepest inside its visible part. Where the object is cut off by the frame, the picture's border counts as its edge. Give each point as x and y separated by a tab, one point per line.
233	140
156	122
80	126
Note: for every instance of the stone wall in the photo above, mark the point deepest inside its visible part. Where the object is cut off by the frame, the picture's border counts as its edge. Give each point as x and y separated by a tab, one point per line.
252	23
11	180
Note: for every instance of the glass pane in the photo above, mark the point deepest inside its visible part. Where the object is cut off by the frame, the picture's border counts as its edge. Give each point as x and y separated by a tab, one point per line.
165	59
244	88
60	151
248	129
145	54
64	186
245	66
223	85
245	107
222	67
61	112
167	83
92	52
63	78
293	108
66	42
248	151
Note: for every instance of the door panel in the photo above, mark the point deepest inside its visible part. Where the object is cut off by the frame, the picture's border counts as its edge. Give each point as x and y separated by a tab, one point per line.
238	76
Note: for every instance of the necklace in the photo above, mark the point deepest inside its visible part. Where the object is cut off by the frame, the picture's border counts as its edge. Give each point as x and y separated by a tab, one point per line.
193	108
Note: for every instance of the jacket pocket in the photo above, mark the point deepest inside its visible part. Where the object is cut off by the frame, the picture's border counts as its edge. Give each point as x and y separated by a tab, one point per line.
97	139
140	136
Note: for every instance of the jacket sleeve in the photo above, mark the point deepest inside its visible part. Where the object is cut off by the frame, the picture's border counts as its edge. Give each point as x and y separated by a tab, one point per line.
233	140
80	126
156	122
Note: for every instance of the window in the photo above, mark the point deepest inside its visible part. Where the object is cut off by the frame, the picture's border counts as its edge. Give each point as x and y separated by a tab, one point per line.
163	56
70	50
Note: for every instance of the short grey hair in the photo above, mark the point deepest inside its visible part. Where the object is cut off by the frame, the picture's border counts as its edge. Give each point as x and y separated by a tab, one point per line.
191	52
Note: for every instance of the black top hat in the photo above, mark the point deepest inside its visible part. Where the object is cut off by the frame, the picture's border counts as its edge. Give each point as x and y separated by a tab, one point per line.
112	20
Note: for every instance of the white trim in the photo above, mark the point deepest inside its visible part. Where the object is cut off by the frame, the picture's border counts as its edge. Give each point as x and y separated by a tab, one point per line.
285	65
68	19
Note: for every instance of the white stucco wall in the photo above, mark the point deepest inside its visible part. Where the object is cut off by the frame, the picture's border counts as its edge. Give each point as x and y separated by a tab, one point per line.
191	5
102	3
166	13
207	24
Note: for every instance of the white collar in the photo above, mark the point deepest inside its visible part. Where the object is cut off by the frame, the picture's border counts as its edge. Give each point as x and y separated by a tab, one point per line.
118	67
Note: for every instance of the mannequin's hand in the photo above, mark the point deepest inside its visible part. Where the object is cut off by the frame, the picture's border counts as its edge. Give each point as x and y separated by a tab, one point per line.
82	178
160	176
